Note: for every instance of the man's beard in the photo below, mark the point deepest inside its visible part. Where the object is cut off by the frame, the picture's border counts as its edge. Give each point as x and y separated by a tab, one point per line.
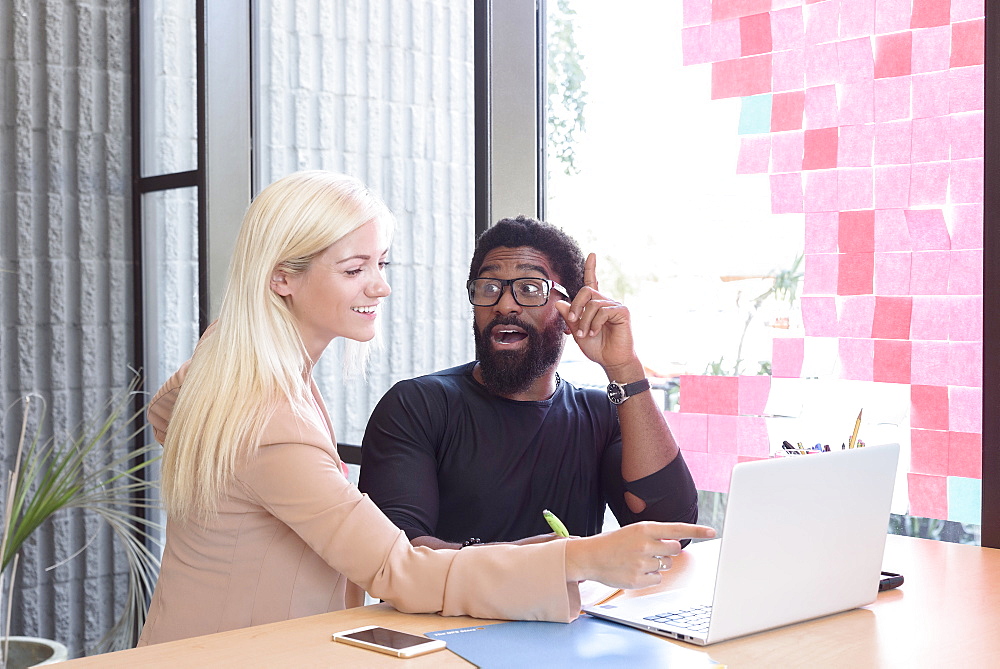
512	372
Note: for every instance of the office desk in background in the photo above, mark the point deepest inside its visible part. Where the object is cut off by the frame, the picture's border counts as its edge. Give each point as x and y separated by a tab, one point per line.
945	614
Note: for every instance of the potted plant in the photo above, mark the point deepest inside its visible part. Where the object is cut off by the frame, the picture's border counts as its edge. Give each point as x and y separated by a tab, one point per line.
97	468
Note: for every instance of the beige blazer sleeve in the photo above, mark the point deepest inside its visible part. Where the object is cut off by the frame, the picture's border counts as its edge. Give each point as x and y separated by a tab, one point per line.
301	485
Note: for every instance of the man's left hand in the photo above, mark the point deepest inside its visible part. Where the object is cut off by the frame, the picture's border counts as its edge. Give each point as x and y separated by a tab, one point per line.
601	326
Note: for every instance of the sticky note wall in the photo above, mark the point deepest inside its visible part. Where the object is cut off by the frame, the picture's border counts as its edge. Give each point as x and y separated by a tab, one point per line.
867	117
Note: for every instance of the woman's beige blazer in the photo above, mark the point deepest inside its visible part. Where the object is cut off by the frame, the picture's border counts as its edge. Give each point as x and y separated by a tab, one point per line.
292	532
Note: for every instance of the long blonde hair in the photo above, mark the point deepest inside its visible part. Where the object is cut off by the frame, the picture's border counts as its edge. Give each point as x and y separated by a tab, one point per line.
253	358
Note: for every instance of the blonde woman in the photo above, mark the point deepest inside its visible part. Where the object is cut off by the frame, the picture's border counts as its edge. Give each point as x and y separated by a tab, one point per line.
262	523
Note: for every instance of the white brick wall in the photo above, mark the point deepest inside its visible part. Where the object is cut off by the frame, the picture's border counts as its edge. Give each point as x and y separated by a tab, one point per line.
66	322
383	89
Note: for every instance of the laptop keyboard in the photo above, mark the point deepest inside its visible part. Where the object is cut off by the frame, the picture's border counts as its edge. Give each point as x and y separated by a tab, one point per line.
694	618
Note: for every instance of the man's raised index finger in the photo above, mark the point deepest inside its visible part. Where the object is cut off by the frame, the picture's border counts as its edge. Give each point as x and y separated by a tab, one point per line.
590	271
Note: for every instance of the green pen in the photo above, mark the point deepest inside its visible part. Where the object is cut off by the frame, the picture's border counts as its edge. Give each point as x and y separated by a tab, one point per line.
554	522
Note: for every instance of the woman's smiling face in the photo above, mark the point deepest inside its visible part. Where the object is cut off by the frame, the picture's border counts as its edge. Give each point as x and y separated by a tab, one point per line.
339	294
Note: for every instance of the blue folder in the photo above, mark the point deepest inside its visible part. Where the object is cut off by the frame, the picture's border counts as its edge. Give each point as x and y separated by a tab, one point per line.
585	642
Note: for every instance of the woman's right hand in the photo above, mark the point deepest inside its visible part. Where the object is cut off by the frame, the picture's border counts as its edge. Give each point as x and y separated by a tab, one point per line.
631	557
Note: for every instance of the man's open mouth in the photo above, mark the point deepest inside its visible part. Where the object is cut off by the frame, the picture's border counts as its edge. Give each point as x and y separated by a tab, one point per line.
507	335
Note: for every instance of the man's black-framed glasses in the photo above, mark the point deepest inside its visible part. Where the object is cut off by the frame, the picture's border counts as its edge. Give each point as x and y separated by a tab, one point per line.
527	291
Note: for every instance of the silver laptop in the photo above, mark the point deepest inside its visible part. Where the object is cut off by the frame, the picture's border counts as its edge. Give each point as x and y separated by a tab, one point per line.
803	537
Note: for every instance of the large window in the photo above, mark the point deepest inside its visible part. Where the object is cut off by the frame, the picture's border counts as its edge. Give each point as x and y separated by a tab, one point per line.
789	197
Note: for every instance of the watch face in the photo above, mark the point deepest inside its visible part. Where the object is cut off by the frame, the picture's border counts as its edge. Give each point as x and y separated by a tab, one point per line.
616	393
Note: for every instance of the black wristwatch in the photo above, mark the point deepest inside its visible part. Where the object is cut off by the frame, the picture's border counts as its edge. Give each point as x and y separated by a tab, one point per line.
618	393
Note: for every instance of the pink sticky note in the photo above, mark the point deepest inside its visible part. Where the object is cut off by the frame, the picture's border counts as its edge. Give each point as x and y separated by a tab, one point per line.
929	183
821	191
697	463
892	99
929	452
966	320
822	22
892	361
962	10
931	93
892	186
965	409
709	394
741	77
786	110
892	273
928	231
857	102
931	49
967	92
755	154
892	317
722	435
965	276
855	188
928	495
891	231
787	148
855	276
787	354
787	29
690	430
967	180
892	15
752	438
968	41
822	66
720	471
892	55
821	274
821	107
930	319
697	12
966	135
965	454
854	148
753	391
929	407
855	316
965	363
725	43
929	272
857	17
967	226
819	317
892	142
786	193
822	231
855	60
789	71
820	149
856	231
928	13
755	34
930	139
929	363
731	9
857	359
696	45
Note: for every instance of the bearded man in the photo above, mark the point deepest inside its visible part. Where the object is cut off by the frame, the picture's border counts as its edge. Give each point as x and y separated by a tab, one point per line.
473	454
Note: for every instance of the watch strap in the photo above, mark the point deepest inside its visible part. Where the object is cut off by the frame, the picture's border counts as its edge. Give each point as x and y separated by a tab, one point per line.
618	392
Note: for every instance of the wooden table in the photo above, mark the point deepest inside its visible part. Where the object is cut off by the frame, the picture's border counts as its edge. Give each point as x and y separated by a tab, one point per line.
947	613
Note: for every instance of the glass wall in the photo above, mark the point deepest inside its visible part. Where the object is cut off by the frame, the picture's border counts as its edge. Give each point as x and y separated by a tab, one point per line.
788	195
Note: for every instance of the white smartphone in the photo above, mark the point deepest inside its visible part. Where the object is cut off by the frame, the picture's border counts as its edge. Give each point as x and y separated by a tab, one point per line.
392	642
